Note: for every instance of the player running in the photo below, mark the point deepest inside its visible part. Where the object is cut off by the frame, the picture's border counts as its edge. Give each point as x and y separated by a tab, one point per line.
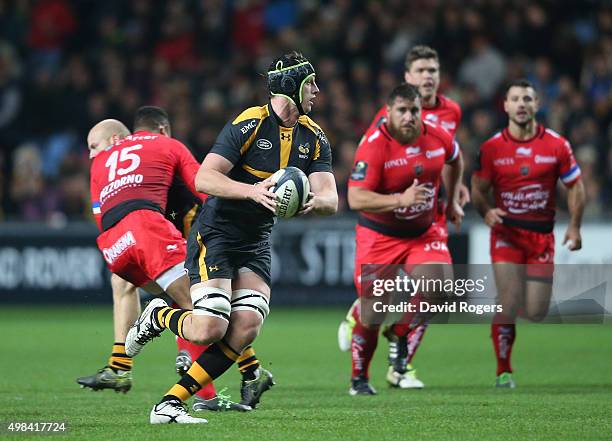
180	211
394	185
521	165
423	71
229	255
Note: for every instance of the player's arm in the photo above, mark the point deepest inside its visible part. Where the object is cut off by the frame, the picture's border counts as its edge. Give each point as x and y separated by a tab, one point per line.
481	188
323	198
187	167
362	199
454	211
576	200
94	189
570	175
323	195
463	191
212	179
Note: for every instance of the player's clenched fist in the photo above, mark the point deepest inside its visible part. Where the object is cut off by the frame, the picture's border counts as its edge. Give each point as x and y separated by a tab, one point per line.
415	194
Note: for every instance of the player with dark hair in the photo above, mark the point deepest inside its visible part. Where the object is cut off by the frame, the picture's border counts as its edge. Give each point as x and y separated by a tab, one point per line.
521	166
229	255
394	185
422	69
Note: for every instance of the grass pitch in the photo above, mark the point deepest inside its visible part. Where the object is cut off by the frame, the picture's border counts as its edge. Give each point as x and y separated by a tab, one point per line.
563	372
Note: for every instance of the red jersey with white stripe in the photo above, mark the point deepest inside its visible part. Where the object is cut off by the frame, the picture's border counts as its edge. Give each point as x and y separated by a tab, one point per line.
136	173
385	166
446	114
524	174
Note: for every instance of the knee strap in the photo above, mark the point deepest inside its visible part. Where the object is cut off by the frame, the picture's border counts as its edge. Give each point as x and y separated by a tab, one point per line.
250	300
211	301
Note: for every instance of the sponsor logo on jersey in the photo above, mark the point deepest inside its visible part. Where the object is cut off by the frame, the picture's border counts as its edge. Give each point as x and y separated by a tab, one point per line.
304	151
250	125
263	144
524	199
503	161
523	151
432	117
119	247
502	244
396	163
119	184
212	268
172	247
449	125
96	207
539	159
433	153
359	171
373	136
413	150
414	211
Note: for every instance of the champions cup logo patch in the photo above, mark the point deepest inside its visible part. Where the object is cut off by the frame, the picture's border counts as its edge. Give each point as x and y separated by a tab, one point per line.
119	247
359	171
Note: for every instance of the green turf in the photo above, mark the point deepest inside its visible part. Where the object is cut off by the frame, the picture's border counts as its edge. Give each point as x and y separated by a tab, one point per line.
564	377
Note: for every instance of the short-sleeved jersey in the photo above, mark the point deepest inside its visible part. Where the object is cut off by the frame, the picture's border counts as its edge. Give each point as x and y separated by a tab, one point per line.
524	175
257	145
446	114
385	166
136	173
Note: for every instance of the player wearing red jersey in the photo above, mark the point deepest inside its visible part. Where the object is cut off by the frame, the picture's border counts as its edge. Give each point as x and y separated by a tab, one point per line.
522	165
423	71
181	210
394	186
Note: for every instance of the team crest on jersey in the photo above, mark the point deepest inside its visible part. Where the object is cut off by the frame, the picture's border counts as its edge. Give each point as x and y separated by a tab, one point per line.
524	170
359	171
304	151
418	169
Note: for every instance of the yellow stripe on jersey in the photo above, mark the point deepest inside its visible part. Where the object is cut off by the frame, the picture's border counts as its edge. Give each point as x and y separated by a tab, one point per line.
286	139
317	151
260	113
203	270
306	121
259	173
187	221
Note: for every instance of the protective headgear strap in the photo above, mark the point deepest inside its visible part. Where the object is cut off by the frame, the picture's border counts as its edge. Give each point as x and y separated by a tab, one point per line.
289	81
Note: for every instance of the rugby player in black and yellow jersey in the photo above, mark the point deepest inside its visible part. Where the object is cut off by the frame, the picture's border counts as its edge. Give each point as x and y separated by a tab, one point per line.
181	210
229	254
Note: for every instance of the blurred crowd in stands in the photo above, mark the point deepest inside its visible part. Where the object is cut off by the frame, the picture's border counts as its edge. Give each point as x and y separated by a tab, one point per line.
67	64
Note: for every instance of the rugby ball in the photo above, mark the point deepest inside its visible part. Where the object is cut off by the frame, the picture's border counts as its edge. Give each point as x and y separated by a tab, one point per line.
291	189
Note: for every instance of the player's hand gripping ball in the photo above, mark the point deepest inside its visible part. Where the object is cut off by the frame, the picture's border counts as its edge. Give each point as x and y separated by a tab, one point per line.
291	189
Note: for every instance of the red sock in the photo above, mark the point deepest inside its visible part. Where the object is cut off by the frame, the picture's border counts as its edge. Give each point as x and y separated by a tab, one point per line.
402	327
208	391
414	340
363	346
503	333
